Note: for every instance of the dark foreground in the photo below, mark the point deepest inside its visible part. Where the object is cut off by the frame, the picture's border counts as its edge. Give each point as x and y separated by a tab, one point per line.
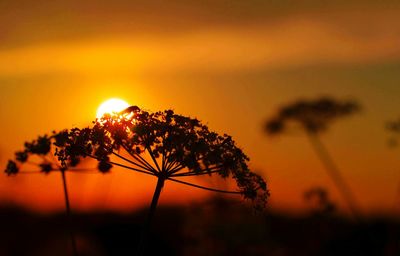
214	228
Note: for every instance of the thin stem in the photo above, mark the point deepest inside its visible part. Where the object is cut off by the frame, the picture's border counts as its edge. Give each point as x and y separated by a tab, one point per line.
131	168
124	166
205	188
152	157
167	163
131	162
176	169
163	162
334	173
56	162
201	172
153	206
170	164
68	211
140	159
81	170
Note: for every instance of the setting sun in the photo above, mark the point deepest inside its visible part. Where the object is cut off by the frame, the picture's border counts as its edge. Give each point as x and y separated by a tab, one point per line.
110	106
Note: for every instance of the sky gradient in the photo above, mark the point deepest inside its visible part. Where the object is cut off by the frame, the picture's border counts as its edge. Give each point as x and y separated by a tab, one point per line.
229	63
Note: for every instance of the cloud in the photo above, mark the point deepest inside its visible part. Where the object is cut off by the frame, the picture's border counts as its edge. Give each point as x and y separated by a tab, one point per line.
200	36
27	22
294	41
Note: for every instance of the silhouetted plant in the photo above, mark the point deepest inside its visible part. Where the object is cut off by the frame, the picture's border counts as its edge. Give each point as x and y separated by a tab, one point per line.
394	128
43	150
320	198
315	117
167	146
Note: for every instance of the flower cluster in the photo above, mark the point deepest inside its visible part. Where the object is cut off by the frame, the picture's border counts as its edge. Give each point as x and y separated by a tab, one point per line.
42	150
313	116
162	144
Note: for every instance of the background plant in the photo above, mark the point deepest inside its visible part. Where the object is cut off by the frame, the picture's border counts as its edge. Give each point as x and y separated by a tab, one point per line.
38	156
394	128
314	117
318	198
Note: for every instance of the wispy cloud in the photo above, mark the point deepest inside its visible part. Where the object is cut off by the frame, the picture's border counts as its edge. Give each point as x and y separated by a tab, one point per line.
335	37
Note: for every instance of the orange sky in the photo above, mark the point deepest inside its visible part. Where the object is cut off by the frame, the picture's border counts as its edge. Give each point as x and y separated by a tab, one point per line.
229	65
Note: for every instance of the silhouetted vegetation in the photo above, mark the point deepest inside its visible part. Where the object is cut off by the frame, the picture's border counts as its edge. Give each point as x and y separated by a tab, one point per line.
319	200
177	147
315	117
38	156
161	144
394	128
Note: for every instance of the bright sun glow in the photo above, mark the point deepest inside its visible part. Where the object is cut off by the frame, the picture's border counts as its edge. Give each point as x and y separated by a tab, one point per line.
111	106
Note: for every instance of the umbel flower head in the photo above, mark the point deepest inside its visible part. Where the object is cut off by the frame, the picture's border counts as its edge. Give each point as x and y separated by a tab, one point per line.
314	116
41	153
168	146
41	149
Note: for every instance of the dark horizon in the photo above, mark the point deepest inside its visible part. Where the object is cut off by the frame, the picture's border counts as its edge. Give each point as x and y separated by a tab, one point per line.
231	64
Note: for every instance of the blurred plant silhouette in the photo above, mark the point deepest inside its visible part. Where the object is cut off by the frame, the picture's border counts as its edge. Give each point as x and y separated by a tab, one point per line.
161	144
318	198
394	128
315	117
40	154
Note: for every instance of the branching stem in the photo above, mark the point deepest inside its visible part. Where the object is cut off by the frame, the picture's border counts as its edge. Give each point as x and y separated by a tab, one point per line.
205	188
140	159
131	162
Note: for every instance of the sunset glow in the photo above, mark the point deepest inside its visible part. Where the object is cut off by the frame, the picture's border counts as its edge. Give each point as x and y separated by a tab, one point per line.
231	69
200	127
111	106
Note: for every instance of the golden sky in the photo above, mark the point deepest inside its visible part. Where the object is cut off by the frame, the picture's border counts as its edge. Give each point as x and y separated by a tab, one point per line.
229	63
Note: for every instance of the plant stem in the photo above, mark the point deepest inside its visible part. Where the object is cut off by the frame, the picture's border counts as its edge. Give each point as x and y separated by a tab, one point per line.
205	188
153	206
334	173
68	211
